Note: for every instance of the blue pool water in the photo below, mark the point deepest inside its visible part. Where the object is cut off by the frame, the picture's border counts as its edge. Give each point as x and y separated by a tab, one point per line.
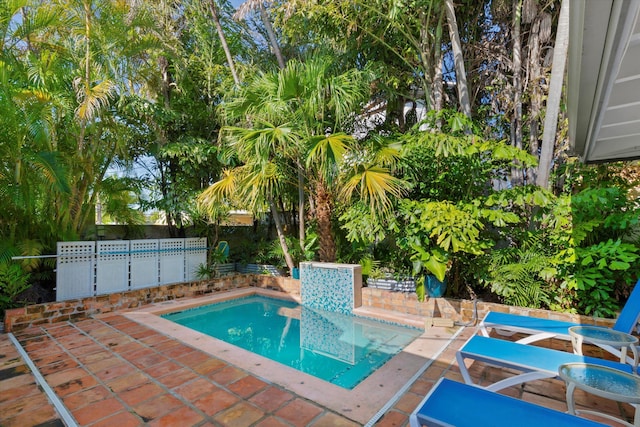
338	348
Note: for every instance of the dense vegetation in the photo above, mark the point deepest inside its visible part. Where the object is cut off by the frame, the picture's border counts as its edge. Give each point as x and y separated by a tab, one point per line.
407	136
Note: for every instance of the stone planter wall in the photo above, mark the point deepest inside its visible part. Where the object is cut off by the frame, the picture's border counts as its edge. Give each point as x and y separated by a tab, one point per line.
461	311
60	311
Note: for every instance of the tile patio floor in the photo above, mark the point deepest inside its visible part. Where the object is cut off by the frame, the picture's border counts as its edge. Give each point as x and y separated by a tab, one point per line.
112	371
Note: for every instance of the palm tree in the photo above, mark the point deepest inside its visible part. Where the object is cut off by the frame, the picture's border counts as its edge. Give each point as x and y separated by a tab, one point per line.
223	41
458	59
555	94
265	151
251	5
293	120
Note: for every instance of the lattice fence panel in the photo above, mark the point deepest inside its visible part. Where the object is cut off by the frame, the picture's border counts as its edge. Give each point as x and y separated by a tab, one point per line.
112	266
171	261
94	268
144	263
195	251
75	270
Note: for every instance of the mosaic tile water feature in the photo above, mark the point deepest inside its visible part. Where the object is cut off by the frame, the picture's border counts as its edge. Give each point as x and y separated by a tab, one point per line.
331	287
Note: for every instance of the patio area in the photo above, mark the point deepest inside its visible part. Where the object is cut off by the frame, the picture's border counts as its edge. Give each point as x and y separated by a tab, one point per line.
111	370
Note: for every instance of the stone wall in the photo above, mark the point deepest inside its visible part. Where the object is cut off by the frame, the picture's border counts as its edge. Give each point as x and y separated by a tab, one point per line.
60	311
461	311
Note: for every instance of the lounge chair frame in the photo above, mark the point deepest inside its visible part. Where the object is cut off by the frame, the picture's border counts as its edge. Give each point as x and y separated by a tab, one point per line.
534	362
451	403
538	329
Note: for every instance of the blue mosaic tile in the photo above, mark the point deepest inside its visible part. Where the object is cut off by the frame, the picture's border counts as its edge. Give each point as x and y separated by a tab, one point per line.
327	287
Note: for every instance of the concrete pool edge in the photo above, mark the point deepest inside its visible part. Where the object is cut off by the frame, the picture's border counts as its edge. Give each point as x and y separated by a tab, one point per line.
358	404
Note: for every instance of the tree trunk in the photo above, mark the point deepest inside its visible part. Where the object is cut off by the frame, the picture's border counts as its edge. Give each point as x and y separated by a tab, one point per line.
272	36
301	223
283	242
223	41
534	70
327	251
554	97
456	46
438	88
517	179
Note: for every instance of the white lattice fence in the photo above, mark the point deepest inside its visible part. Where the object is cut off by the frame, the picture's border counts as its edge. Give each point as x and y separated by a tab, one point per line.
97	268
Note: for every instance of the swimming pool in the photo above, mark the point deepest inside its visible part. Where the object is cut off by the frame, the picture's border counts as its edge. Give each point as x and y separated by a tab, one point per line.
338	348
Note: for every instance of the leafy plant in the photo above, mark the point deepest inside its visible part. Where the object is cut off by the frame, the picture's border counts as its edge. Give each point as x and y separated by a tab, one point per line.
13	281
521	275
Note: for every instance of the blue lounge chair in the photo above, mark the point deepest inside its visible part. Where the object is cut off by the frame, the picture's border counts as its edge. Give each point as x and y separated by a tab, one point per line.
534	362
540	329
450	403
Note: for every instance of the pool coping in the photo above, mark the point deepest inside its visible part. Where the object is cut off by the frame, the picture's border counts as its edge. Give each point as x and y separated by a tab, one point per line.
359	404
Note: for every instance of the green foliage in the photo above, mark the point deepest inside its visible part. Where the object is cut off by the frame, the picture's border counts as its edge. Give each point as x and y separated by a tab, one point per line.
13	281
434	231
597	268
520	275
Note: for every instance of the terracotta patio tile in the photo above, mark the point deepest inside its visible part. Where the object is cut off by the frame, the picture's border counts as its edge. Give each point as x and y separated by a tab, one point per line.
97	411
37	343
17	381
164	346
408	402
62	377
211	365
141	393
60	330
184	416
60	365
156	407
177	378
192	358
128	382
85	397
176	351
13	371
141	351
227	375
216	402
101	331
117	320
422	386
117	370
299	412
240	415
393	419
55	354
272	422
154	338
23	390
247	386
102	363
271	398
143	333
87	349
330	419
73	341
162	369
74	385
126	347
87	358
40	416
120	419
16	407
148	360
196	389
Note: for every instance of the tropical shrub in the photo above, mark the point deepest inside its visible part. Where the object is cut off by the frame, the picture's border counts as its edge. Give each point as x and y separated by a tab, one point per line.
13	281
